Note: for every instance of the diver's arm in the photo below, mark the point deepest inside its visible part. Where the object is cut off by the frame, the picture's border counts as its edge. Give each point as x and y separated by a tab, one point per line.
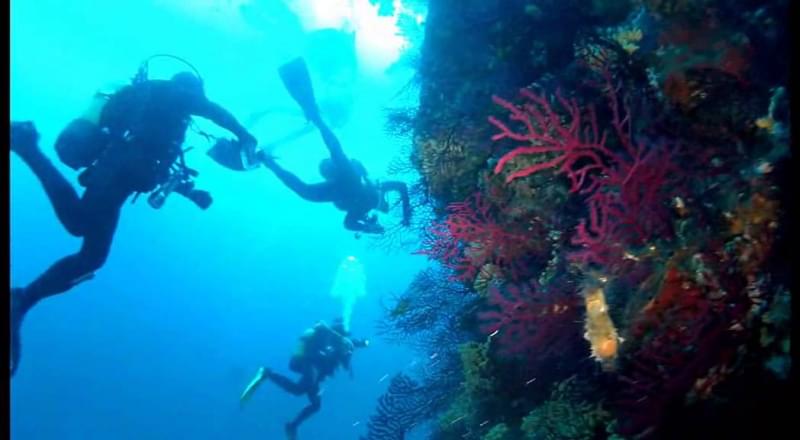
218	115
401	188
314	192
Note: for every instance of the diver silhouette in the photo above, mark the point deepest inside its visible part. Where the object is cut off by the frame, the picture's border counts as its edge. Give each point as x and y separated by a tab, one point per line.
131	144
320	352
346	183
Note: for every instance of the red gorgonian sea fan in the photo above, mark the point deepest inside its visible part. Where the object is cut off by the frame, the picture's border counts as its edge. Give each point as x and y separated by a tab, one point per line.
680	335
578	146
470	237
627	188
527	320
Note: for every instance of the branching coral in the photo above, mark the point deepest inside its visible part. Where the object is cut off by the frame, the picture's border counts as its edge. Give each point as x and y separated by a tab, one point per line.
400	237
586	177
530	321
578	147
477	387
428	318
427	315
498	432
565	416
478	379
470	238
447	163
627	189
399	409
400	122
681	334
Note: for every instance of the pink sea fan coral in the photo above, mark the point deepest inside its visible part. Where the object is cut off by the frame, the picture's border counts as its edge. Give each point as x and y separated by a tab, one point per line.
470	237
528	320
626	189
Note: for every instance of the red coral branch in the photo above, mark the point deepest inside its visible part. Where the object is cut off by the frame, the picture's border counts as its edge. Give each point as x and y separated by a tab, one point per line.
579	148
627	189
529	321
469	238
628	208
683	334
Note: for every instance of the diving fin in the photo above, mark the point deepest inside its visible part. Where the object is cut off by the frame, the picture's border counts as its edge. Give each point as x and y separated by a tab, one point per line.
251	387
297	81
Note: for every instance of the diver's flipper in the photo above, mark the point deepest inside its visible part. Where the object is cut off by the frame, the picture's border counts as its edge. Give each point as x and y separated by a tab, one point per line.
227	154
251	387
17	313
297	81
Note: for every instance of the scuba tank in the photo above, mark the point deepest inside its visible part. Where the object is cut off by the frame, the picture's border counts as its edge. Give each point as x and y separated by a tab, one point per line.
83	141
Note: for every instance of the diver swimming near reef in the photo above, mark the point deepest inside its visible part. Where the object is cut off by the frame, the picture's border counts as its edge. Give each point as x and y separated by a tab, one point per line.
129	143
346	182
321	351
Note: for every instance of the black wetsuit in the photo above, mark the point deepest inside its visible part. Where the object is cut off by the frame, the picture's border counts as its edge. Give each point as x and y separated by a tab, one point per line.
324	351
347	188
145	126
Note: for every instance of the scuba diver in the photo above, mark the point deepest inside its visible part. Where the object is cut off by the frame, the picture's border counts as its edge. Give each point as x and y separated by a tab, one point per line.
346	183
129	143
320	352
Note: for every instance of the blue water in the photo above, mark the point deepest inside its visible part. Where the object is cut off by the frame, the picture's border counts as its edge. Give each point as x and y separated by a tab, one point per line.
190	303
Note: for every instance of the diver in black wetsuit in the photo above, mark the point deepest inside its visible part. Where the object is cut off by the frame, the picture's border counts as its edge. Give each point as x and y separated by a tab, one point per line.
321	351
131	148
346	183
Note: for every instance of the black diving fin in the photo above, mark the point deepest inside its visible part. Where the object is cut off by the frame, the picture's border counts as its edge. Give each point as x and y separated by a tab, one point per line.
297	81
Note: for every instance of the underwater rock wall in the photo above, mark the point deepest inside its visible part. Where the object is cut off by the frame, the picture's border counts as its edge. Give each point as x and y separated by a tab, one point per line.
636	148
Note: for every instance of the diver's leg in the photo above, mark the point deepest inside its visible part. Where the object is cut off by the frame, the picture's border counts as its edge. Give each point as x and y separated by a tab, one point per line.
332	142
94	250
64	274
100	208
287	384
314	406
317	192
63	197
